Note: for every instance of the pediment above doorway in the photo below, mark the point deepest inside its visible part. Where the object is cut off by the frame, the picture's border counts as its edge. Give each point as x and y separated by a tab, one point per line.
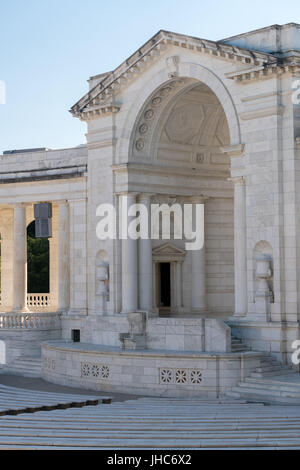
168	252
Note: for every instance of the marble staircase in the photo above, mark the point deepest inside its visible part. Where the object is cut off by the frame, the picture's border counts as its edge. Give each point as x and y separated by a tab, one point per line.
237	345
271	382
24	366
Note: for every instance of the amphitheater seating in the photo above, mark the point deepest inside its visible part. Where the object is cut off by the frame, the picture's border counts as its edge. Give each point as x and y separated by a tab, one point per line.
156	423
17	400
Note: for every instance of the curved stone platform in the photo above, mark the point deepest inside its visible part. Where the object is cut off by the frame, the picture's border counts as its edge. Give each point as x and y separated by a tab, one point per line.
148	372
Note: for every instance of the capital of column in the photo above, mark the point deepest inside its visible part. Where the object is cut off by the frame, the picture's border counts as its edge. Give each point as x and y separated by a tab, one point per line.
145	197
128	194
234	150
199	199
238	180
62	202
20	205
76	201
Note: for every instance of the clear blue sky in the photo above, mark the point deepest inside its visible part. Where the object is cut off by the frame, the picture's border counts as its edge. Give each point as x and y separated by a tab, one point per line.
49	48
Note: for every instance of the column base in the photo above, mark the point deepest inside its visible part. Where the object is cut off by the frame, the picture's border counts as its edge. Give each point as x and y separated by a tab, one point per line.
240	314
20	310
77	311
200	311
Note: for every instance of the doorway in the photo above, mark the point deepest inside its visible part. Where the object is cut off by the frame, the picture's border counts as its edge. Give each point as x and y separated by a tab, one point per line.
164	300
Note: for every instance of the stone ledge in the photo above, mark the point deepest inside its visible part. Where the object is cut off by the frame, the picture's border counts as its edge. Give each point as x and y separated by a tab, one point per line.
88	348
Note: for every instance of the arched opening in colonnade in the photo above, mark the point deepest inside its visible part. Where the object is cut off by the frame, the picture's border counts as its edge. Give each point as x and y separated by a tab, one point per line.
38	264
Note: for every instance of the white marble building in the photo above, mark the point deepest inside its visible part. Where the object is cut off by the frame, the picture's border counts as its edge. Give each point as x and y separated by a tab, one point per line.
181	120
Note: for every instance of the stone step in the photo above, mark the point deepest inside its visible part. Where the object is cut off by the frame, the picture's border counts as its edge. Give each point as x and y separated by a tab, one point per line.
237	345
19	372
21	443
271	373
244	388
265	398
268	363
147	423
275	391
289	387
268	368
24	366
268	359
123	426
155	434
278	380
14	400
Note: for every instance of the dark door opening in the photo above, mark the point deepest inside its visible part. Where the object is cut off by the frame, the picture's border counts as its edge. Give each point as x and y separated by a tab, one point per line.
38	264
165	284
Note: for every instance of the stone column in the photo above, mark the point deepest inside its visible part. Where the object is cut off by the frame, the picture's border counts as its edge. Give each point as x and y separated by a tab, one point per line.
53	260
7	265
20	259
178	285
63	256
145	261
240	259
154	293
199	303
78	256
129	257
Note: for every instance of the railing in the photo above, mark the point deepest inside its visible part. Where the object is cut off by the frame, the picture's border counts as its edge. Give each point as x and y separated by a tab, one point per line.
38	300
30	321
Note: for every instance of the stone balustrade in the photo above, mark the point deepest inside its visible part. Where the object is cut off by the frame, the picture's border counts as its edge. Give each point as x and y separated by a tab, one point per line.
38	300
30	321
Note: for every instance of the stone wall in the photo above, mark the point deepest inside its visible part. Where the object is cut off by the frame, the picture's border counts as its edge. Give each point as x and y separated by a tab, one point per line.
177	334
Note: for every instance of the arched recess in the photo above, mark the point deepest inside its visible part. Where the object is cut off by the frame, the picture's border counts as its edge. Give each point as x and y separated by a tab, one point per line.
181	126
187	74
38	264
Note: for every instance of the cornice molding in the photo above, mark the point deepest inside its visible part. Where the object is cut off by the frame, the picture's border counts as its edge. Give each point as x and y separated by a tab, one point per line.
267	70
238	180
97	110
43	174
146	168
